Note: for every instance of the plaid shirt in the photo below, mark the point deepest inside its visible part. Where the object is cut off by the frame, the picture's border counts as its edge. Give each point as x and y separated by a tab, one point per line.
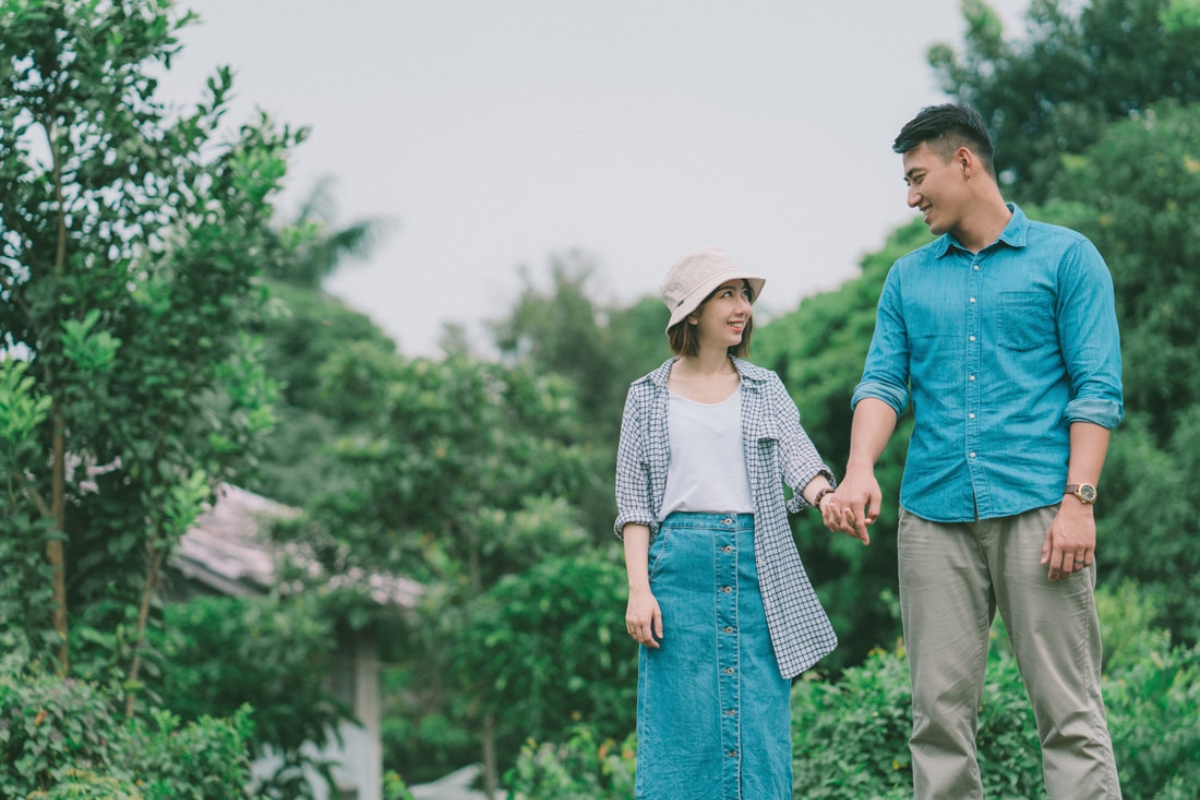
777	450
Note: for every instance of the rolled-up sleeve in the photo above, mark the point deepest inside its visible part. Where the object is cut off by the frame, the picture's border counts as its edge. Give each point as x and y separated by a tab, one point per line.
885	376
799	460
633	479
1091	343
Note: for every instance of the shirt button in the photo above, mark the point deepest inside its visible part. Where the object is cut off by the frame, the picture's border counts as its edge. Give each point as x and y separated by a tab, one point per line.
972	455
972	299
733	753
726	589
972	416
972	338
728	548
731	712
727	629
975	267
727	521
971	378
729	670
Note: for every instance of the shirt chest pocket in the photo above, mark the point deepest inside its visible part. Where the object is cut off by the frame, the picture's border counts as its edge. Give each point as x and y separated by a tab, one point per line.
764	439
1025	320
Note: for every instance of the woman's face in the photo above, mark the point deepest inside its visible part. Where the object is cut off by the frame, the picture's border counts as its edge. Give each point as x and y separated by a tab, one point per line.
722	319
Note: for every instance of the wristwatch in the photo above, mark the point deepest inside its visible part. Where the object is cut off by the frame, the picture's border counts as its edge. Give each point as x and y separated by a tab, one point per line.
1084	491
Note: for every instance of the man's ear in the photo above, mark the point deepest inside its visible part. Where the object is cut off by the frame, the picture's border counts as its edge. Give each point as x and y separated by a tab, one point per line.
966	161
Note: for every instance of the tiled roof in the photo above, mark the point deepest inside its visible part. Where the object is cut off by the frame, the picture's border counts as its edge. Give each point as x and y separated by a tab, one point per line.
230	551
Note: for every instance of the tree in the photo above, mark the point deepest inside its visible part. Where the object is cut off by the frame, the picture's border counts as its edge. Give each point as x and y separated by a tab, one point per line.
1136	194
1052	93
598	347
128	266
308	249
461	472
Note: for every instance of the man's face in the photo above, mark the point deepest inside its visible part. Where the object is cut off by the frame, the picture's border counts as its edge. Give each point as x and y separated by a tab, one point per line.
936	187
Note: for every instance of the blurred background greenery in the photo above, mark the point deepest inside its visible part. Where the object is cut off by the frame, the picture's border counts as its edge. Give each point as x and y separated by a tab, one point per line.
165	331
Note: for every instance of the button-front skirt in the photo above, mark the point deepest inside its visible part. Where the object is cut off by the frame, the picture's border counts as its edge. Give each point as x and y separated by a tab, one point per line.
714	719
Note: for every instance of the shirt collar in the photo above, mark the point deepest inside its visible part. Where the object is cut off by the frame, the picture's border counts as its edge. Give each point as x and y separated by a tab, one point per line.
749	373
1013	234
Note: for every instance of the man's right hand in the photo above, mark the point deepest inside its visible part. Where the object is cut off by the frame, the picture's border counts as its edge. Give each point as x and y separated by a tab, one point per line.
855	505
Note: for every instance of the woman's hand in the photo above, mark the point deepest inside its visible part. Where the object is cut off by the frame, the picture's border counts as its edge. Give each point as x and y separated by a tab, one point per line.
643	617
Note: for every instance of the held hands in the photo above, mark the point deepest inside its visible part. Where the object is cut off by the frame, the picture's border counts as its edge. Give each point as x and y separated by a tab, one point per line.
643	617
854	505
1070	544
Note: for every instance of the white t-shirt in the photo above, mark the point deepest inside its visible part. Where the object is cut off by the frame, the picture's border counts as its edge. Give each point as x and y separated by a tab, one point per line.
707	472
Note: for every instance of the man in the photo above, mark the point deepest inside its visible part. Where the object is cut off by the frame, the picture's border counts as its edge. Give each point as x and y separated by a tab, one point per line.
1003	333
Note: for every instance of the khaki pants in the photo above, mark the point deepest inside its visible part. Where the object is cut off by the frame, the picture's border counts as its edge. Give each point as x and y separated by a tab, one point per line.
953	578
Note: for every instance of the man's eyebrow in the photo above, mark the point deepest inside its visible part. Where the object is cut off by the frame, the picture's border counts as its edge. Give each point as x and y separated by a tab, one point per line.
908	175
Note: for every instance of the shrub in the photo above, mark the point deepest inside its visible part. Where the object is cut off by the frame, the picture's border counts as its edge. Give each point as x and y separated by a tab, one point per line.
581	769
61	738
850	738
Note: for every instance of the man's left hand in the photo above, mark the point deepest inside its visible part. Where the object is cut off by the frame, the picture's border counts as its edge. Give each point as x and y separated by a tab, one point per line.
1070	544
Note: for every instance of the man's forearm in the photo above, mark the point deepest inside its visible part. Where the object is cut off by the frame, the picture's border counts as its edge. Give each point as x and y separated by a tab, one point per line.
874	423
1089	447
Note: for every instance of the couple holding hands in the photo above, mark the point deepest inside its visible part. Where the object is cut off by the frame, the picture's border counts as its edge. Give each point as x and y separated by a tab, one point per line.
1002	334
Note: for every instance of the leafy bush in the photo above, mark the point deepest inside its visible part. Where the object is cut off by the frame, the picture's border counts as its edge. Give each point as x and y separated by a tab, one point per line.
1154	717
62	738
850	738
84	785
271	653
581	769
394	787
548	648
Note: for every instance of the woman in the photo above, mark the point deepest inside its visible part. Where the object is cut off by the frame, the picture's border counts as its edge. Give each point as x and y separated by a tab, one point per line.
718	598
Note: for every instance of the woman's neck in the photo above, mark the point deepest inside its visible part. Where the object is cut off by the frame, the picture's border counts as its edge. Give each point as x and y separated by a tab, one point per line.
707	362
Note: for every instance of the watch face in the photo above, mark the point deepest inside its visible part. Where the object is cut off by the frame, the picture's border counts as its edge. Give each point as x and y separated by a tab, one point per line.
1087	493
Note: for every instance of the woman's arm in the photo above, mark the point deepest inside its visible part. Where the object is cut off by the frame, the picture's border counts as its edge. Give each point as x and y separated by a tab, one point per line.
643	617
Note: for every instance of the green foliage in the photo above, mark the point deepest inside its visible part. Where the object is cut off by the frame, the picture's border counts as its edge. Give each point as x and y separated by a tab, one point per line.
586	767
62	738
202	760
1051	94
850	737
129	264
456	453
269	653
598	348
308	249
394	787
80	784
1136	194
547	647
49	726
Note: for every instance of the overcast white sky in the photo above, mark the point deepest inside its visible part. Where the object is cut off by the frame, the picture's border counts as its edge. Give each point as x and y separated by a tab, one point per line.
498	132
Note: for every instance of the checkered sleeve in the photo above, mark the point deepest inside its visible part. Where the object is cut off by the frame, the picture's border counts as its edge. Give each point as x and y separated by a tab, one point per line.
633	477
799	460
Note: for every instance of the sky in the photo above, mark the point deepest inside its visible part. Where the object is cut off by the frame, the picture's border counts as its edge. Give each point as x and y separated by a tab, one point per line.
495	135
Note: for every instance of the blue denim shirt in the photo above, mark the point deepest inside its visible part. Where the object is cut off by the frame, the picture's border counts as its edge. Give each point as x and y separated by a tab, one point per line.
1003	351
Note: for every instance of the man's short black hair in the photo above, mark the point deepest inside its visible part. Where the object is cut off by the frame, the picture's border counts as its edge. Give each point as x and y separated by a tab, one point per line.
946	128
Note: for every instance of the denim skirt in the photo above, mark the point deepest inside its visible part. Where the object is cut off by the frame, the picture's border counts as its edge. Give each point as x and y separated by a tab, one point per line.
714	717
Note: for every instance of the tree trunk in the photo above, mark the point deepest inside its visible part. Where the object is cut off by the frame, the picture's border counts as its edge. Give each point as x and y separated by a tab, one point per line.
54	547
58	499
490	780
153	562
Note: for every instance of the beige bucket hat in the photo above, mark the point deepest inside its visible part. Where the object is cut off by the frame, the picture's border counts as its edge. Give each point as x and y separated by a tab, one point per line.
693	277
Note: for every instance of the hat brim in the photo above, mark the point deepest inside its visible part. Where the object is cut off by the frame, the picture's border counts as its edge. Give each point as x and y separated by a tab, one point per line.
703	290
